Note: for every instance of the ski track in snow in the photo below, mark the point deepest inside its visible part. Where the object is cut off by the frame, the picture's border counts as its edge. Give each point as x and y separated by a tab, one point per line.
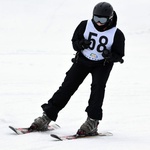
35	53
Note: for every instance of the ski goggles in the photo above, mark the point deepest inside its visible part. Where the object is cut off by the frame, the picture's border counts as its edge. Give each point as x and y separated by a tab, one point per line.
102	20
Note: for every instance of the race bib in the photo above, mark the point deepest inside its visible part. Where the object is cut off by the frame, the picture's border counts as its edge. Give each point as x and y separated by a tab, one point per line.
99	41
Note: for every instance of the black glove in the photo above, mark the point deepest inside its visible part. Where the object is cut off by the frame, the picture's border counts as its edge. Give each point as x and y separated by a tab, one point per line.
81	45
107	56
110	58
84	43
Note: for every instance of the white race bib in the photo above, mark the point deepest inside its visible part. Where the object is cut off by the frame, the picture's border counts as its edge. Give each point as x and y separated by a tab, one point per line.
99	41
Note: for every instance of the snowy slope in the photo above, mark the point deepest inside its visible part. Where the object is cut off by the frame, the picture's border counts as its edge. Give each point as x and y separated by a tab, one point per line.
35	53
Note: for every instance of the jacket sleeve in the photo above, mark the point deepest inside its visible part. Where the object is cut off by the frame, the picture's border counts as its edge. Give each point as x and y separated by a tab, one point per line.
78	35
118	46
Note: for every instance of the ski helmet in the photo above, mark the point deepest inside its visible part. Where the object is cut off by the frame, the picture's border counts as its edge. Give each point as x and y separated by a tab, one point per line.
103	9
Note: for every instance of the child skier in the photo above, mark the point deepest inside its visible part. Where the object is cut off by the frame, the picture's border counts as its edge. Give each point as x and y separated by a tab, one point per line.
99	43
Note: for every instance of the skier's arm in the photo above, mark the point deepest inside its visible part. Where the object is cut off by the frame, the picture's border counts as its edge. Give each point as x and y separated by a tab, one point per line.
78	41
118	46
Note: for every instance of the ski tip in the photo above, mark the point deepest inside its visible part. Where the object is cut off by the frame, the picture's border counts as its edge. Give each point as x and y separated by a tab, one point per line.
57	125
12	128
56	137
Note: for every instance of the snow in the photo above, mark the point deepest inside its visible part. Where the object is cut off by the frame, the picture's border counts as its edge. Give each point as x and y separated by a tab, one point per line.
35	53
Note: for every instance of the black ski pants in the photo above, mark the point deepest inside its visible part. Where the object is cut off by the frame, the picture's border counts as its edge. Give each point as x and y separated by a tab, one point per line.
74	77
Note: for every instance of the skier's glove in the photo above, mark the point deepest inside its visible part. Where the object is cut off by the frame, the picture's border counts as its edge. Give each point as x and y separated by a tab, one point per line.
111	58
84	43
81	45
107	56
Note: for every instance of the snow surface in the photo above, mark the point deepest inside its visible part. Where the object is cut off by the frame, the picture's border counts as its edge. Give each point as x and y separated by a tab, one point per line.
35	53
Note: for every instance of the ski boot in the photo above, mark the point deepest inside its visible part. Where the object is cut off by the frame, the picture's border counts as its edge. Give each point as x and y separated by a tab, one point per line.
88	128
40	123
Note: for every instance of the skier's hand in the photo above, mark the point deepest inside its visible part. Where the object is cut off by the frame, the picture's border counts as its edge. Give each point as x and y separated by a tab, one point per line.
109	58
84	43
81	45
106	54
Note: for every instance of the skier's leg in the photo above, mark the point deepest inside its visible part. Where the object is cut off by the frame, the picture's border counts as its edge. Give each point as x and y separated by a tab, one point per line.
74	77
100	76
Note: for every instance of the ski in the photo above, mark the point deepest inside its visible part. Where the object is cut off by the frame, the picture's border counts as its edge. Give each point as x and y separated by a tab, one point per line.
20	131
76	136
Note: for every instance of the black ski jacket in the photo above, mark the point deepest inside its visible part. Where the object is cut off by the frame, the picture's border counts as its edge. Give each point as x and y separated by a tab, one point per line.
118	45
